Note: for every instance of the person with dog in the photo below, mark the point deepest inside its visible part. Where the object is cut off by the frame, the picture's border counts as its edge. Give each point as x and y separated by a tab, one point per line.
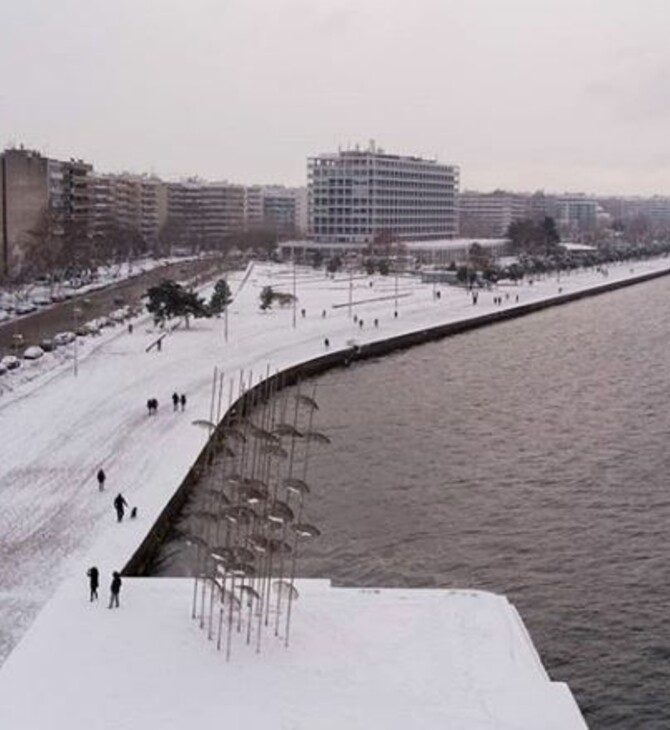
120	505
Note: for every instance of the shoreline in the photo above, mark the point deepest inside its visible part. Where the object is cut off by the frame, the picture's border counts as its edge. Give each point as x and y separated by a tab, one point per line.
146	552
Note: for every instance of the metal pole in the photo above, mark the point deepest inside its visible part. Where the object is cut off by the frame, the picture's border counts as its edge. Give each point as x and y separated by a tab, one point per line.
75	313
295	299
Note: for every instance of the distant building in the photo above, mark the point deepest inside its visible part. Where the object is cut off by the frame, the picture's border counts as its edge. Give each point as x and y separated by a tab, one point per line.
576	214
41	199
128	205
203	214
489	214
355	196
652	212
275	207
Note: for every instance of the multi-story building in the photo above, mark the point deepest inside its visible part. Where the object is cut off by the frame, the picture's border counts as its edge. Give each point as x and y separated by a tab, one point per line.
275	207
41	200
356	196
652	213
489	214
202	214
130	205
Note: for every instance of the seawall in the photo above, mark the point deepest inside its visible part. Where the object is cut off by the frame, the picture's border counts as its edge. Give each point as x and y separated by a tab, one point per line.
147	550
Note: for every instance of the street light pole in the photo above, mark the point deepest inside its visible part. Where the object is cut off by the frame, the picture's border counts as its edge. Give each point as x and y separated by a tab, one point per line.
75	314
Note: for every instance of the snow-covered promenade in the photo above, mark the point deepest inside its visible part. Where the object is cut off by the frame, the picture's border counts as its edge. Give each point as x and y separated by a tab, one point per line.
56	431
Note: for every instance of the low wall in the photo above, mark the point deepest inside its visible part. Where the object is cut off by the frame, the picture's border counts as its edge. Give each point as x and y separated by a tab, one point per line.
145	553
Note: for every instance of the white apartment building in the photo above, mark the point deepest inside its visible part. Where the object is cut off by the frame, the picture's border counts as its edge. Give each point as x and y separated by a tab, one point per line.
489	214
354	196
128	203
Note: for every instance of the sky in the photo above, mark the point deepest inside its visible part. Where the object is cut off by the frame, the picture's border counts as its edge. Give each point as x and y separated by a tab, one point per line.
560	95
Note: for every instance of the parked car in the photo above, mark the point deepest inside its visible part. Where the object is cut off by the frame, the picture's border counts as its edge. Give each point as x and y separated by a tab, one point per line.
92	327
41	301
33	353
11	362
25	308
47	345
64	338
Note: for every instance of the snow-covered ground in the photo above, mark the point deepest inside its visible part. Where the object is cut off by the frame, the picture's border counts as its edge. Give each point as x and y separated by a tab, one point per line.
57	430
358	659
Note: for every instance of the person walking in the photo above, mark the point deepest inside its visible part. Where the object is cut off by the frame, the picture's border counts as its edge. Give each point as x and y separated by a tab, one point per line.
101	479
175	402
115	589
93	582
120	505
182	400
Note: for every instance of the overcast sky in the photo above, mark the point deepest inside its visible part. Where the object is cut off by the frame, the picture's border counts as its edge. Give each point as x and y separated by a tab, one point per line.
522	94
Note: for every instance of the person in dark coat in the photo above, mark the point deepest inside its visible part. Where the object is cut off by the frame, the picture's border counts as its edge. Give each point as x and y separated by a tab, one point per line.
182	400
93	582
115	589
175	402
120	505
101	479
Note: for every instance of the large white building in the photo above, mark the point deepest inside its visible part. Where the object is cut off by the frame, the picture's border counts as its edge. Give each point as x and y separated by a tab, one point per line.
356	196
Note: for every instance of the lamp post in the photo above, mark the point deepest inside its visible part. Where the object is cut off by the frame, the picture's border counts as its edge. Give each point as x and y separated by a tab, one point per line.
17	339
76	312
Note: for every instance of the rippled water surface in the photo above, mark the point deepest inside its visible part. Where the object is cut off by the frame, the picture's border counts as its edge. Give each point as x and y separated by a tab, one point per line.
530	458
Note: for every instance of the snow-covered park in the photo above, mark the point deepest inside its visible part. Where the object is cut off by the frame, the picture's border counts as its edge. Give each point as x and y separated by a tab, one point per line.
58	429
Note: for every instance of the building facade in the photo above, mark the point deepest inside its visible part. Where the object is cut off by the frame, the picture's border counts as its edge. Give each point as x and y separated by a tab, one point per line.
42	201
356	196
276	207
489	214
202	214
130	206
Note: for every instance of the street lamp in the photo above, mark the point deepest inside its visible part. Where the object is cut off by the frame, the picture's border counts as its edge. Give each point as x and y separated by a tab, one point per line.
76	312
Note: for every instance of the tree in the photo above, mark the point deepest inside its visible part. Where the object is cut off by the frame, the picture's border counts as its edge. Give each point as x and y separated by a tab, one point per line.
478	257
334	264
169	299
267	295
221	297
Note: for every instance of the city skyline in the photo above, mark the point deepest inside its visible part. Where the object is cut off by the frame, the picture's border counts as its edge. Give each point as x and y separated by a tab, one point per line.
553	95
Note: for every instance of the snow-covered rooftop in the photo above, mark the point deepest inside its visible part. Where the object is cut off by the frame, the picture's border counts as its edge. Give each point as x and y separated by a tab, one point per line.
358	659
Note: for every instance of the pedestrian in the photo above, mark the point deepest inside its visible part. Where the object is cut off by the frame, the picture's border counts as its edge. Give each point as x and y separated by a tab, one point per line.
93	582
130	328
326	343
150	405
355	318
175	402
323	313
376	323
159	344
101	479
303	313
120	505
360	323
182	400
115	589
